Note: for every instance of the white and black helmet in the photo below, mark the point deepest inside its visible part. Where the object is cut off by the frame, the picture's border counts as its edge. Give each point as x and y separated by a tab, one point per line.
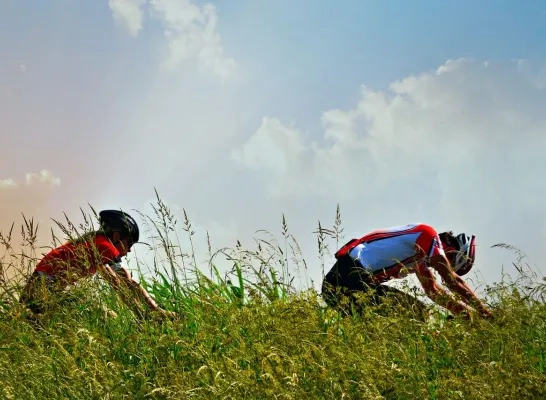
466	254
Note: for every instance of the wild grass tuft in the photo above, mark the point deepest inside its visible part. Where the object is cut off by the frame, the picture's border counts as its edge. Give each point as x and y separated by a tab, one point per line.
250	333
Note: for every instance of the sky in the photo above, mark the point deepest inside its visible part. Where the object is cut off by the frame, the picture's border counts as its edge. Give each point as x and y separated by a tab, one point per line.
241	111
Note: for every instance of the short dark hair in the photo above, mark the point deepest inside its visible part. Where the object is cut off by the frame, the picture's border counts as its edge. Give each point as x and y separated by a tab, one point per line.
449	239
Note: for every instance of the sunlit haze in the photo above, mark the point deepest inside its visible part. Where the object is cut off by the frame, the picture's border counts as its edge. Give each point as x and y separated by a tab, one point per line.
240	111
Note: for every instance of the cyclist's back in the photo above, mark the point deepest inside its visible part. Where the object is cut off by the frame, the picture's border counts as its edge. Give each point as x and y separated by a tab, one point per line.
384	253
74	260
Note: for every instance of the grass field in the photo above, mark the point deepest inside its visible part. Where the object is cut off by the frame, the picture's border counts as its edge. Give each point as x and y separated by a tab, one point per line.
250	335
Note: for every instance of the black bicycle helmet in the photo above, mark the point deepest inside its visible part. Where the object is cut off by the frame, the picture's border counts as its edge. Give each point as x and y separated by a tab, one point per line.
119	221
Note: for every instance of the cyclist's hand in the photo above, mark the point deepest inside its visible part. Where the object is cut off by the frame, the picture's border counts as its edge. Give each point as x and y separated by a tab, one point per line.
171	315
487	314
162	314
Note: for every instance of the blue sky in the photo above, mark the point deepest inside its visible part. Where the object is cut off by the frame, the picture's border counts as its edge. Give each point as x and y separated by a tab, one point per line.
362	42
370	42
85	97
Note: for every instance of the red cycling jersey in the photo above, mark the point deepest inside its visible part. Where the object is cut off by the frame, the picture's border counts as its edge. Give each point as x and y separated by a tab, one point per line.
71	262
385	252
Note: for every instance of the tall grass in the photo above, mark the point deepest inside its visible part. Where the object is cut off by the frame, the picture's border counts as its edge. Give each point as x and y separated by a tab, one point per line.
250	333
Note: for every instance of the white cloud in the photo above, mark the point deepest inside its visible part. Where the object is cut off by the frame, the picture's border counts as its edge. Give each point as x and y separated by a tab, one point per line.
128	14
7	183
45	177
275	148
190	31
460	147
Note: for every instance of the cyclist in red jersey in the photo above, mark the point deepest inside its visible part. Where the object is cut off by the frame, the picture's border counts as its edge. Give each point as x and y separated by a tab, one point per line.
95	252
367	263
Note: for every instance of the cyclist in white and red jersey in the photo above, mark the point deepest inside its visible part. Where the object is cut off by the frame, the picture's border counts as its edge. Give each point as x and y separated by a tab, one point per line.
392	253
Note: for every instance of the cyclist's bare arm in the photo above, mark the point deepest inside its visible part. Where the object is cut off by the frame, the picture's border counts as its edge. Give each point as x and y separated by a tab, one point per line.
456	284
122	276
138	290
439	295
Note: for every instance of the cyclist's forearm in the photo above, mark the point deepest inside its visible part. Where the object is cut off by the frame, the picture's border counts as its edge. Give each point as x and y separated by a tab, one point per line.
142	294
461	288
110	276
147	298
447	300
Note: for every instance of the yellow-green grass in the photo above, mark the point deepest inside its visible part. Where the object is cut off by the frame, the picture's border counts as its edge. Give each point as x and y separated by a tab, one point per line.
250	334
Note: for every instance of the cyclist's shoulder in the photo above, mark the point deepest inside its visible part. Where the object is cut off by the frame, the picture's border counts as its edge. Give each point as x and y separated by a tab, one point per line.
414	227
92	243
102	240
105	246
424	226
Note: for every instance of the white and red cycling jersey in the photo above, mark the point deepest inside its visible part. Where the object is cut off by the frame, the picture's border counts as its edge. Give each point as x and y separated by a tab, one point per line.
385	252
